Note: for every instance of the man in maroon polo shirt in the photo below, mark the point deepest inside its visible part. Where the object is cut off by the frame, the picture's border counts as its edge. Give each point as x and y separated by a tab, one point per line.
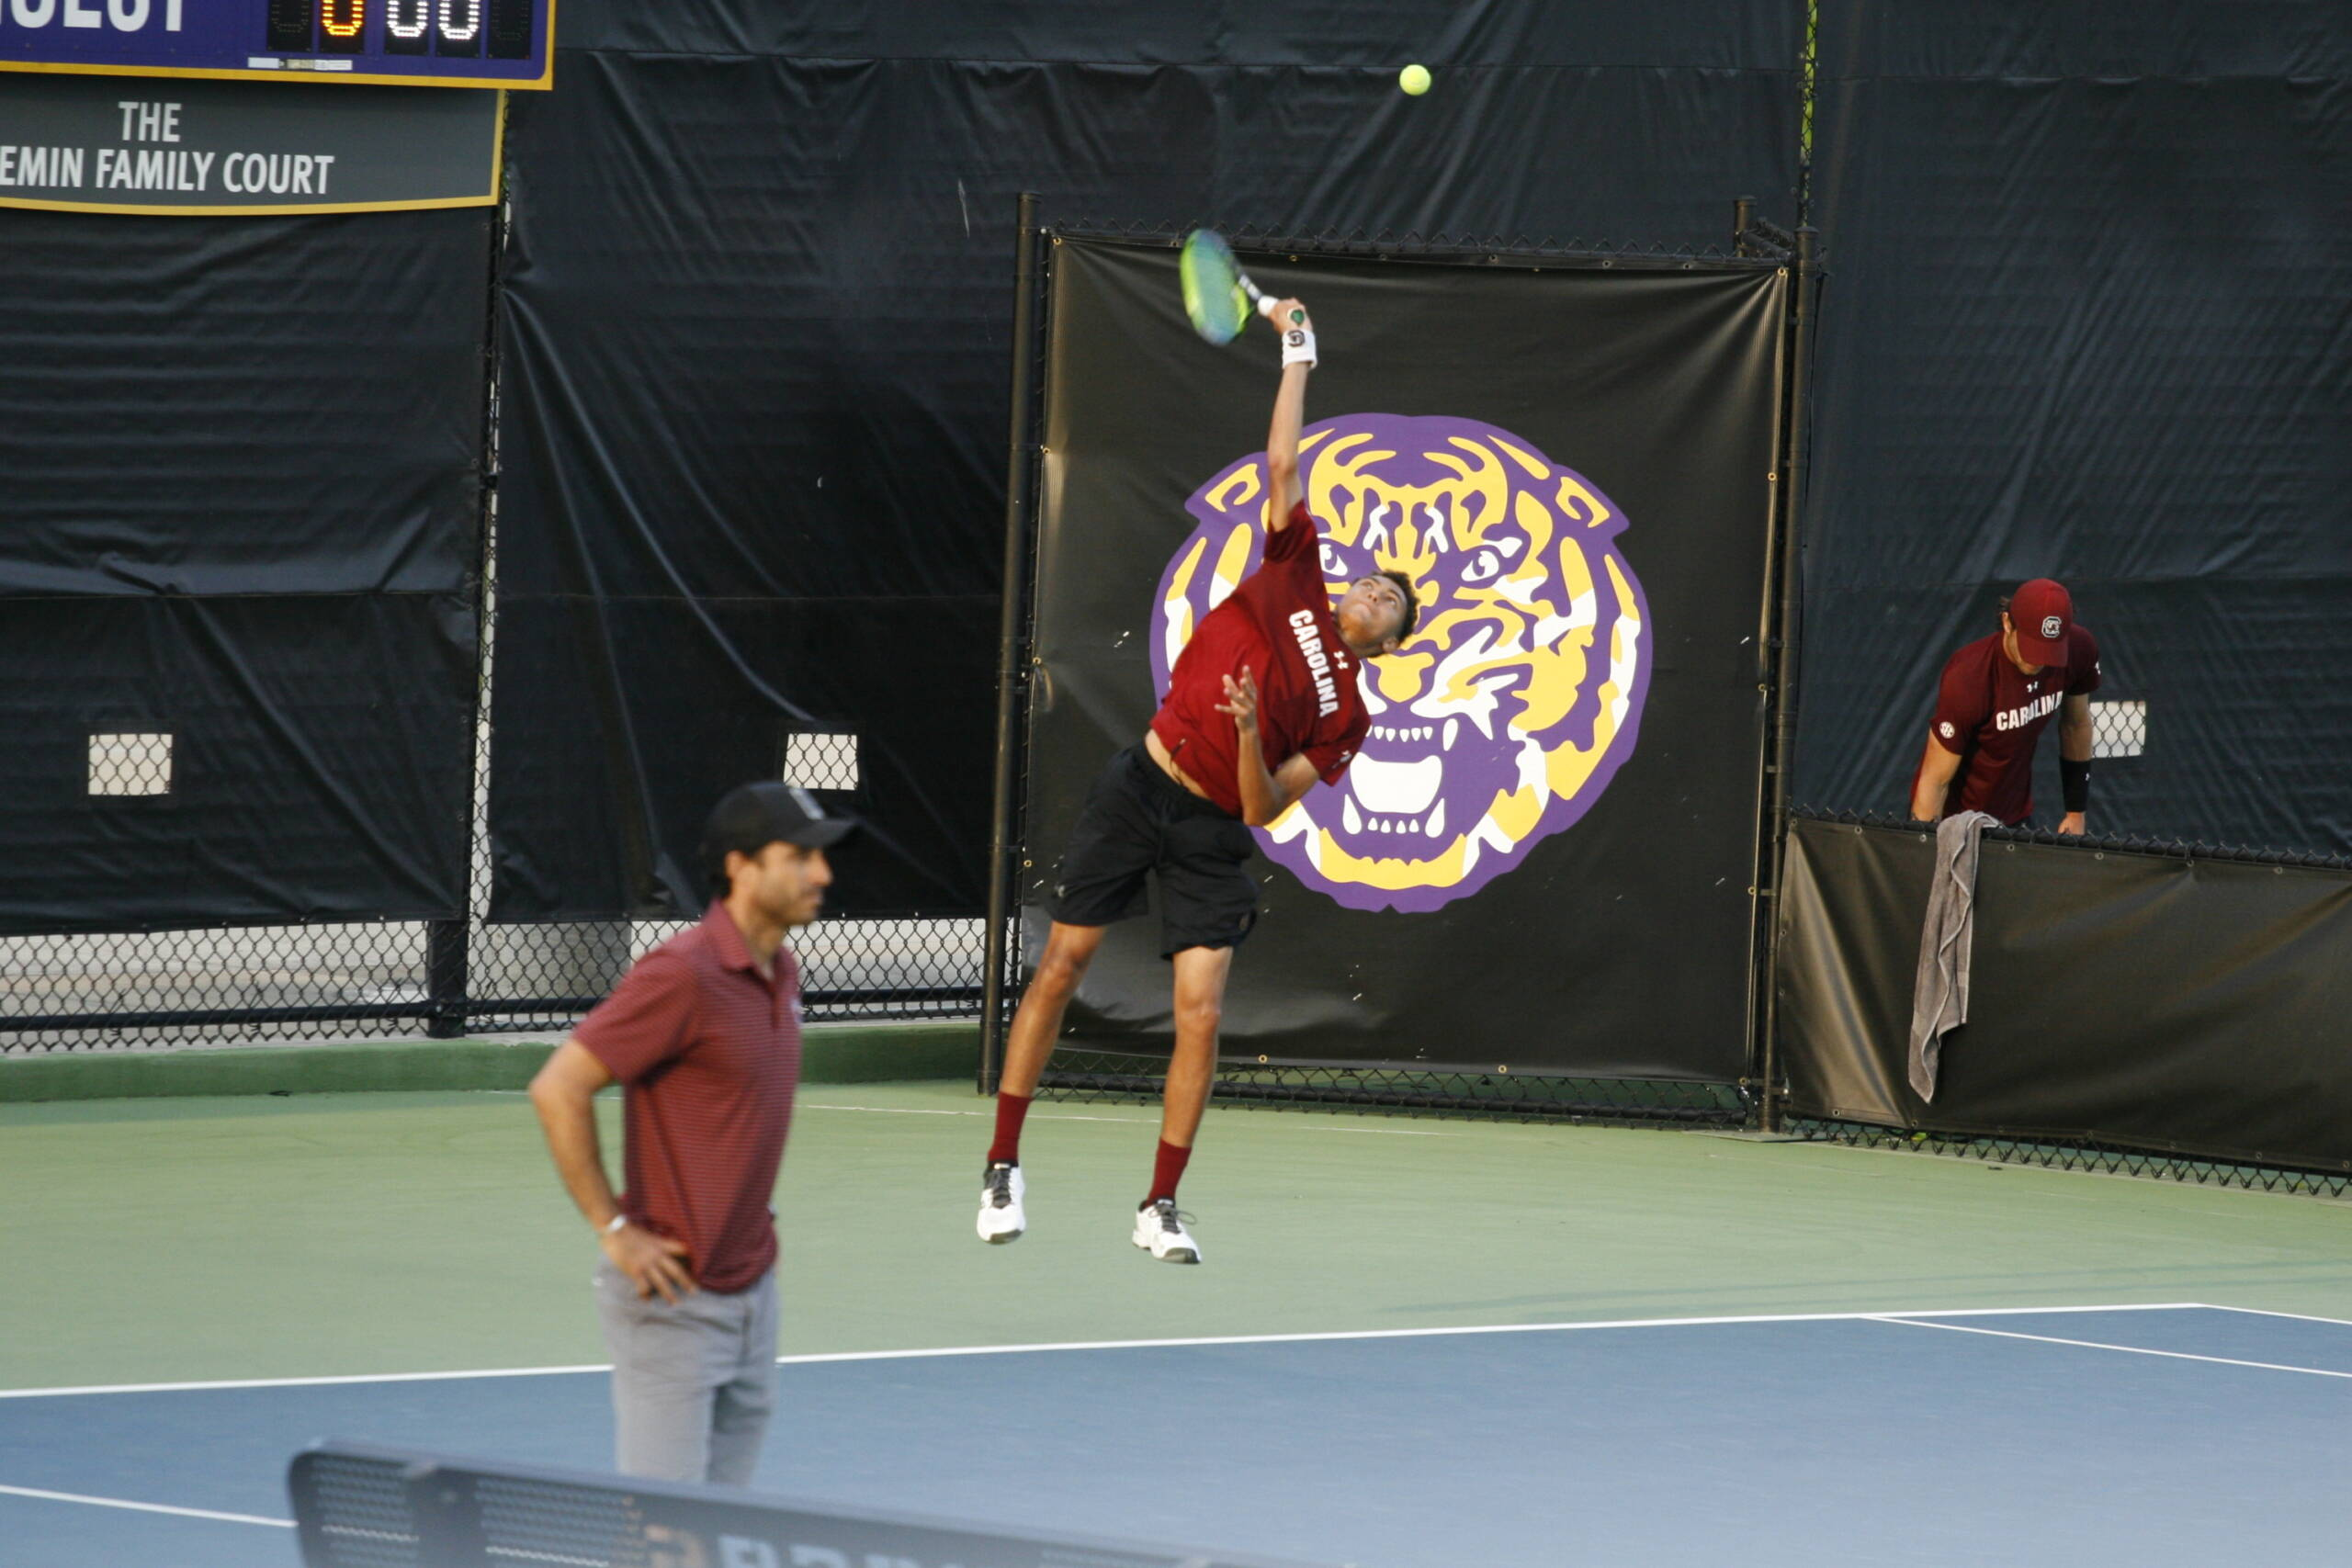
704	1036
1262	704
1996	696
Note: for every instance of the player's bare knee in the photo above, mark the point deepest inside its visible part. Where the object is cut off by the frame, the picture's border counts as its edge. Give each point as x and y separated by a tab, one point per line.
1197	1016
1059	971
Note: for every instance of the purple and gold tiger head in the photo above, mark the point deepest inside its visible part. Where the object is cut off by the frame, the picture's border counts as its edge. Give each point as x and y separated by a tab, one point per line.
1506	712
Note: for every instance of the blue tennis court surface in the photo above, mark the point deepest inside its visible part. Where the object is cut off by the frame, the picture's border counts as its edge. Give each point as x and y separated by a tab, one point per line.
2189	1435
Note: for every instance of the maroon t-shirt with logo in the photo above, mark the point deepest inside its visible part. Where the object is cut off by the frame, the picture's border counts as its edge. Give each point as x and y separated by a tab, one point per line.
1990	712
1277	624
708	1056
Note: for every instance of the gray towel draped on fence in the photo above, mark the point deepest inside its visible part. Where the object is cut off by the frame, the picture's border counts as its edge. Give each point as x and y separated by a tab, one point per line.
1940	998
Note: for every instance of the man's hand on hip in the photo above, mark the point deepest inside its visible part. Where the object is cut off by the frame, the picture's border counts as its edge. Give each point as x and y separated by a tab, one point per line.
651	1262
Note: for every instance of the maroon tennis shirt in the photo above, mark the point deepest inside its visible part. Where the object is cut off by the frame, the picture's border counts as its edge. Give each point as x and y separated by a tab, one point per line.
708	1056
1278	624
1990	712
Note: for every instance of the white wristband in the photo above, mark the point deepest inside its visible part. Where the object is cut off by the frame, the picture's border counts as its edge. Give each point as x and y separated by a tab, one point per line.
1298	346
613	1226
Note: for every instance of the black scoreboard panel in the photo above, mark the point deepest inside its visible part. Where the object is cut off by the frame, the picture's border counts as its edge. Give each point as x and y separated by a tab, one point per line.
454	43
448	29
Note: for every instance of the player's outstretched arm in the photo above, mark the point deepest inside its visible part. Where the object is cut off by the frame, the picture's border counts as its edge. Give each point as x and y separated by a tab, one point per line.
1297	333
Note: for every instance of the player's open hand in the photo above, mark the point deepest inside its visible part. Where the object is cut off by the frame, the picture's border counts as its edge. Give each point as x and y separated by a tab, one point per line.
1242	701
653	1263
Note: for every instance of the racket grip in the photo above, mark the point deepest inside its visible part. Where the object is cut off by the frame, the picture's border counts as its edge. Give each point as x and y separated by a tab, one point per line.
1266	305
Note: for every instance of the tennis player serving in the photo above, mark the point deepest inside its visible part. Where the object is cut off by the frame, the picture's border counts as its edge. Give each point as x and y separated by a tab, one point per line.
1262	704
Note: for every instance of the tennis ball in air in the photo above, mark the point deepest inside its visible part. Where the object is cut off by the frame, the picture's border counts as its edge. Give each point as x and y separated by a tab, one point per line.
1414	79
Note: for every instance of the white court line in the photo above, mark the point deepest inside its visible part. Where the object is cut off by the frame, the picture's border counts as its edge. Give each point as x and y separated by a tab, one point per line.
143	1508
1110	1345
2298	1317
1124	1121
2127	1349
298	1382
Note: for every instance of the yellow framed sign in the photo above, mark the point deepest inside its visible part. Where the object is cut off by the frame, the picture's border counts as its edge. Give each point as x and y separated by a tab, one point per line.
199	149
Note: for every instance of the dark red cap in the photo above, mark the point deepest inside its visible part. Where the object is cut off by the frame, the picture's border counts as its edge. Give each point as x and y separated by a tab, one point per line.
2042	613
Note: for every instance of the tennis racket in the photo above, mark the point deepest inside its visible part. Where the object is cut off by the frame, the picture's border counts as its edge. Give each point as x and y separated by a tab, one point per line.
1218	296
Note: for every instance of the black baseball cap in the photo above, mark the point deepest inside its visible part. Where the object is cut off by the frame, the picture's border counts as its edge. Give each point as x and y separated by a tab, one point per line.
753	816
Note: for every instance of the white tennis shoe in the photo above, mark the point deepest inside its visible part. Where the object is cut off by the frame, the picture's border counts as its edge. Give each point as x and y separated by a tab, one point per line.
1160	1230
1002	1219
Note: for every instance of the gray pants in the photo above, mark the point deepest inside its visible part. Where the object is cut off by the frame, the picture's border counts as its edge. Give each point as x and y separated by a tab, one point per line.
693	1383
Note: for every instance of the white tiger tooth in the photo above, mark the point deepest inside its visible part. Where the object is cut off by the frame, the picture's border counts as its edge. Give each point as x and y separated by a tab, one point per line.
1349	818
1452	727
1436	829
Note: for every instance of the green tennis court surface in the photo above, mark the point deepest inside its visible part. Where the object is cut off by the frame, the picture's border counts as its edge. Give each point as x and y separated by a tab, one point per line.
165	1242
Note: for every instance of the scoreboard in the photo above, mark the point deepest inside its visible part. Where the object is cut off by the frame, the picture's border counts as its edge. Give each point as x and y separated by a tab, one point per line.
457	43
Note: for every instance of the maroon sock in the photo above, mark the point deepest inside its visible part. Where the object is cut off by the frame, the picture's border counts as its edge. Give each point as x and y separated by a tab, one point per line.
1167	1170
1010	1110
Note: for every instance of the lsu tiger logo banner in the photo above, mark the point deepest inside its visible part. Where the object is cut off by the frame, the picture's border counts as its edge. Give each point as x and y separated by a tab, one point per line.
1506	713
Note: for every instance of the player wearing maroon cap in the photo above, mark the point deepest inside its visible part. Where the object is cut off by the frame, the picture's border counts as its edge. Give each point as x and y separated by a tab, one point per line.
1262	704
1996	696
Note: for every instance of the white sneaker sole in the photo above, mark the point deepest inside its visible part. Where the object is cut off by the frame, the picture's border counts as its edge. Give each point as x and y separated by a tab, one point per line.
998	1238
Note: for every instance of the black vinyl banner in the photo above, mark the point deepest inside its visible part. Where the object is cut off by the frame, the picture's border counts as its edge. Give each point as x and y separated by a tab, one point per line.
1540	859
180	762
758	337
2188	1006
1333	36
2085	320
238	528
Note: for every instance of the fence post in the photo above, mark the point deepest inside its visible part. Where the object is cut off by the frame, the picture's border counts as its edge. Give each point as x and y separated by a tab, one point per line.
448	966
1010	674
444	979
1804	274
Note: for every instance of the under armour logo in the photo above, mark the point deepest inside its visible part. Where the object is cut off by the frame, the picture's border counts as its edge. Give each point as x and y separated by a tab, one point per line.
1945	730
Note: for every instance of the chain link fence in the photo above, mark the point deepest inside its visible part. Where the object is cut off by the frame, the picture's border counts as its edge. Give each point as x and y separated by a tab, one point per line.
2103	1159
1082	1075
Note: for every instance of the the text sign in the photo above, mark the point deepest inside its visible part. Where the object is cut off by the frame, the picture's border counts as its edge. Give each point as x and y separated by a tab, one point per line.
133	144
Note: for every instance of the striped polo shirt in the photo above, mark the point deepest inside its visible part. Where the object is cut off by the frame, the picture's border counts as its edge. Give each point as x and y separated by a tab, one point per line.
708	1056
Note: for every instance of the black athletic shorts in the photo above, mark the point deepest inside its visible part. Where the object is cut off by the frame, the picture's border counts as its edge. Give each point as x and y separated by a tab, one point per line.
1139	820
